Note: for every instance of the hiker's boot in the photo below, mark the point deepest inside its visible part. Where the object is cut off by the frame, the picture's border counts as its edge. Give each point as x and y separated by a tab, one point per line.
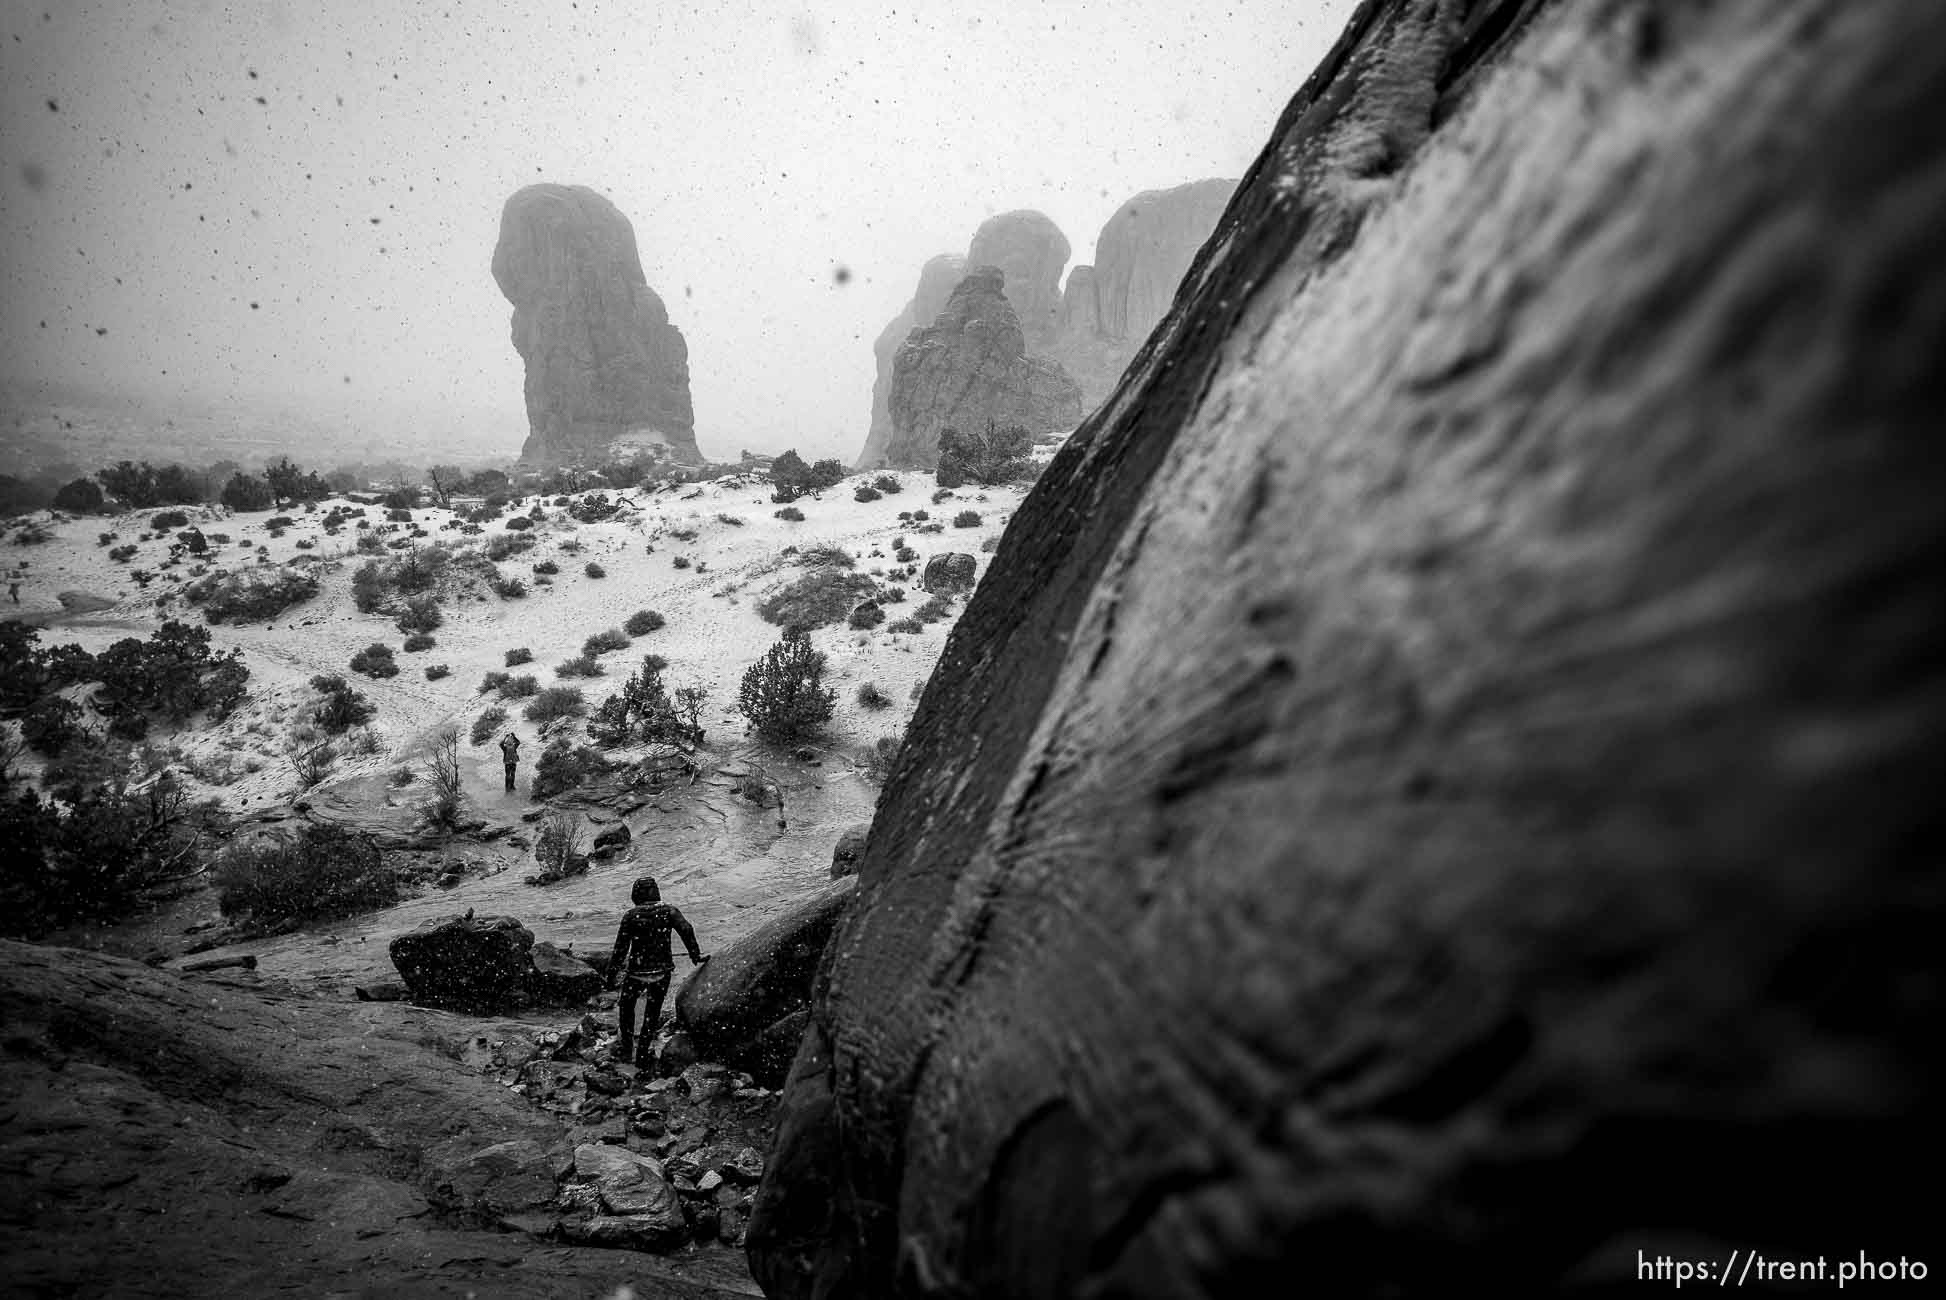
644	1055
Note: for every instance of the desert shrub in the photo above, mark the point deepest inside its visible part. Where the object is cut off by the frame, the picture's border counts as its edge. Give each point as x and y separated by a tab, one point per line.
311	762
419	641
580	666
998	455
277	521
555	702
436	671
790	514
399	515
487	725
594	570
421	614
249	595
502	546
508	588
246	492
122	554
518	524
792	477
340	707
51	724
888	483
824	555
893	595
168	519
941	495
558	847
935	609
522	687
375	660
818	598
441	806
875	764
872	697
82	496
642	622
320	871
684	534
920	516
865	615
967	519
907	625
603	642
679	561
732	520
562	766
643	711
783	695
548	567
494	681
990	543
519	655
866	493
173	673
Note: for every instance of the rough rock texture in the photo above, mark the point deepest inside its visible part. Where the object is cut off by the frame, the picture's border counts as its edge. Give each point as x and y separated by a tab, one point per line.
937	280
749	986
196	1136
1031	252
971	365
1438	790
559	979
466	962
1080	303
950	574
617	1197
606	371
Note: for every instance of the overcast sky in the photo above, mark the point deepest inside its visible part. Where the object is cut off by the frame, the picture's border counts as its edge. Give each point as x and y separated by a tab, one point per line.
300	200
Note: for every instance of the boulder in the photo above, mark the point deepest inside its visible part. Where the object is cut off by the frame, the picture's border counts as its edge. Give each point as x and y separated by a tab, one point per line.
611	841
607	373
466	962
560	979
617	1197
970	366
496	1182
936	281
951	574
849	849
1454	737
750	986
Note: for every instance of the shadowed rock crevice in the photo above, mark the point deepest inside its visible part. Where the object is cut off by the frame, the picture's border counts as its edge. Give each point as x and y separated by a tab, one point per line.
1511	846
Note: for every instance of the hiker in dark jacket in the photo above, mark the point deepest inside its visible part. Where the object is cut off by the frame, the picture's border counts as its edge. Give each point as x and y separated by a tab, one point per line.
641	964
510	755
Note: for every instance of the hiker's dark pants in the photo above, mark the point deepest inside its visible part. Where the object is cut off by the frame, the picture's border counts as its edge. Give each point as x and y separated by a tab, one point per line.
654	985
511	763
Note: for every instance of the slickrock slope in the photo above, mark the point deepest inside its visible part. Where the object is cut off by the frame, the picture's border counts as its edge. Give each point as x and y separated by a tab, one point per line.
606	370
1438	790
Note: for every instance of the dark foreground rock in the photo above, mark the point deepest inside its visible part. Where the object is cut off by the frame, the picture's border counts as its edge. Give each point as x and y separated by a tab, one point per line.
189	1137
747	1005
848	850
490	963
1437	792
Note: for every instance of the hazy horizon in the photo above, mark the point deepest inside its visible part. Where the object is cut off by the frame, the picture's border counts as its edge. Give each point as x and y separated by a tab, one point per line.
292	205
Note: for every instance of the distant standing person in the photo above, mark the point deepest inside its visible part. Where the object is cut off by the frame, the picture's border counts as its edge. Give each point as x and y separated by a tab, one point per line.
641	964
510	755
13	590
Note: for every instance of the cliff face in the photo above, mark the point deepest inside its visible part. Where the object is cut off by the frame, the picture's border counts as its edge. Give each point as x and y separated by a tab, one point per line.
937	280
1437	788
971	365
1091	326
606	370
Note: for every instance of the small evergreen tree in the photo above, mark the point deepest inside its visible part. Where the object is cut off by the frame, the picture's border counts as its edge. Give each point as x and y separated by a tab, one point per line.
783	694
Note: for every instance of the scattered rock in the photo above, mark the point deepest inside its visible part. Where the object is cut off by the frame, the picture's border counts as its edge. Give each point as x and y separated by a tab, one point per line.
951	574
506	1178
611	841
381	991
850	847
560	979
466	962
634	1205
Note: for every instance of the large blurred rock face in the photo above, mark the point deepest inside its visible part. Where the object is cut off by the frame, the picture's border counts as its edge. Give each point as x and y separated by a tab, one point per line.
607	373
1144	249
1437	790
970	366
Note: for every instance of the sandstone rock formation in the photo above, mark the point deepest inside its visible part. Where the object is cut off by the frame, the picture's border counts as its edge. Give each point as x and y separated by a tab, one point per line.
1030	251
937	280
1143	250
1438	792
969	366
747	1005
607	373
